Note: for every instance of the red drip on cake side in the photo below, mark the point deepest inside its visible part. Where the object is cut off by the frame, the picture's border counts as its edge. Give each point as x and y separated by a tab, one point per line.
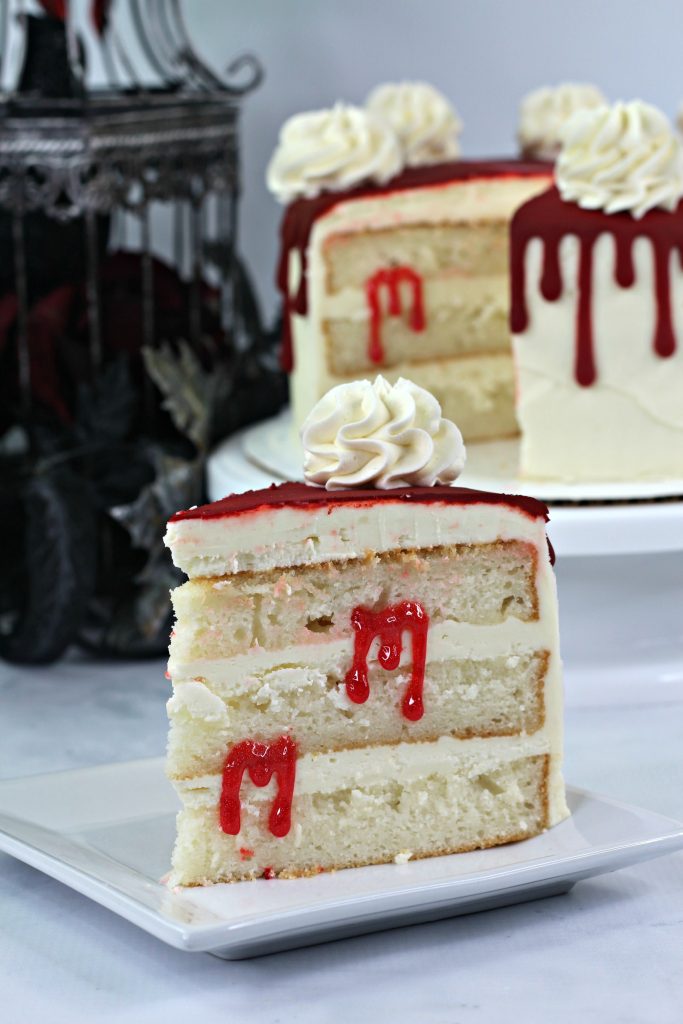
262	761
391	279
302	496
301	215
389	625
551	219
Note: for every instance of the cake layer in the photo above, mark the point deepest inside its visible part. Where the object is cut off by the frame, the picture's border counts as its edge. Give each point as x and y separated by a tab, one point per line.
470	248
485	697
372	805
295	525
229	616
434	222
475	391
463	316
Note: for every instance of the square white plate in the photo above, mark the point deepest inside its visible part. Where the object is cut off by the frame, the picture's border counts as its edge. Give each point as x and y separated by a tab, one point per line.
108	831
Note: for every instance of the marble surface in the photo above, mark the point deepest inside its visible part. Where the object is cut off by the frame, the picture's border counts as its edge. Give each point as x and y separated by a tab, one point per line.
610	951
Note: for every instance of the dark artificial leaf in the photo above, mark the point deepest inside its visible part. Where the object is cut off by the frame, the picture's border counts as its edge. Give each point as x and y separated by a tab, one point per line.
177	483
105	408
186	388
59	561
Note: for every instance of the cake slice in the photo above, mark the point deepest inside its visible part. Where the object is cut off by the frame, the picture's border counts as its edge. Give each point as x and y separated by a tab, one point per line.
362	674
398	263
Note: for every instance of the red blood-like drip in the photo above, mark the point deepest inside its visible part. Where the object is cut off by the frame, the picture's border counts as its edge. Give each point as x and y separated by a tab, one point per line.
391	279
584	369
262	761
551	278
665	339
389	625
301	215
549	218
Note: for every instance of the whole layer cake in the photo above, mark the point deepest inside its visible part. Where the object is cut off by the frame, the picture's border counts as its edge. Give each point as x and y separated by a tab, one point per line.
395	255
597	295
362	673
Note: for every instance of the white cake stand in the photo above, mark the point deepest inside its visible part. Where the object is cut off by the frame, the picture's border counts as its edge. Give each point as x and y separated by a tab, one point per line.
619	556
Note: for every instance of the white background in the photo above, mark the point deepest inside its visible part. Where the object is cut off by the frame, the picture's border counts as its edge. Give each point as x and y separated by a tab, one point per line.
483	54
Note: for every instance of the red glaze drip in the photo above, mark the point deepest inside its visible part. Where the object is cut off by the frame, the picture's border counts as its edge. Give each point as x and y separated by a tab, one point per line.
261	761
549	218
392	278
304	496
301	215
584	366
389	626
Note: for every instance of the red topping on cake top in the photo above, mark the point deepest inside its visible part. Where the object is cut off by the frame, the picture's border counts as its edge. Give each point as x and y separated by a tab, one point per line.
301	215
298	495
551	219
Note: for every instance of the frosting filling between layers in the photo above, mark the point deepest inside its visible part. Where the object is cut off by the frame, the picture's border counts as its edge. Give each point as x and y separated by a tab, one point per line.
295	524
447	640
365	766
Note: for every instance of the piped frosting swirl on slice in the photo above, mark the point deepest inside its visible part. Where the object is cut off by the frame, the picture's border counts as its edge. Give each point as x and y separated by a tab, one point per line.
364	434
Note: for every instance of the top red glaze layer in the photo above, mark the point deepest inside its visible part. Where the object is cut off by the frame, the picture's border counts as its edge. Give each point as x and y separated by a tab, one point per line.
300	216
389	625
551	219
299	495
261	761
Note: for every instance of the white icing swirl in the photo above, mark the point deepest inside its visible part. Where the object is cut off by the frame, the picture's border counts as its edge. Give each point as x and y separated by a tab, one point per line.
425	122
623	157
544	112
366	434
332	149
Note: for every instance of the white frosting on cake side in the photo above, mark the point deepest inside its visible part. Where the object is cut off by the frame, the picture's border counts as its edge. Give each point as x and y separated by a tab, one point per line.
374	434
544	112
424	121
623	157
629	423
332	149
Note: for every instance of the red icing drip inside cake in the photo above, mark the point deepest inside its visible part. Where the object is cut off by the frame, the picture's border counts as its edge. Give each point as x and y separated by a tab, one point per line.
391	280
262	761
389	626
551	219
301	215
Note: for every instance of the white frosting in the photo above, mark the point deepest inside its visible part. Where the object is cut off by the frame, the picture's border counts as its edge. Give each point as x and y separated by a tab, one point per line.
623	157
377	434
294	535
425	122
544	112
628	425
332	149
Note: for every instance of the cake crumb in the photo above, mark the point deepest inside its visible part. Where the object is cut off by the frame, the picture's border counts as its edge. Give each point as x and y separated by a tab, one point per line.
403	857
268	873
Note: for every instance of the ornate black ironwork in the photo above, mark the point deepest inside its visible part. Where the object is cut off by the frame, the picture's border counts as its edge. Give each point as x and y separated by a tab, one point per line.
128	363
